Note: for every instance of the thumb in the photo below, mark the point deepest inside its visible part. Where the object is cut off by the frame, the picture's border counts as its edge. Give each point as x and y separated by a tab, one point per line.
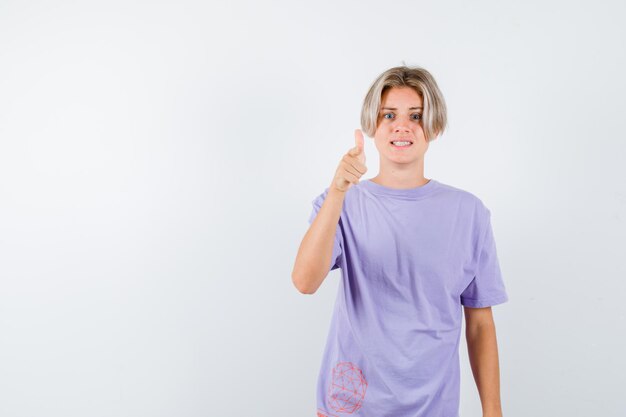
358	139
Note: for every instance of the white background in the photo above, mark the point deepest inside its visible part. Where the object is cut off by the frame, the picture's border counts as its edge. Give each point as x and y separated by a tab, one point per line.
158	161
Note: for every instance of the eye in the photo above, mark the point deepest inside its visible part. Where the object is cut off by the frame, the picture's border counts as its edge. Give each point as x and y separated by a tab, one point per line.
387	114
418	116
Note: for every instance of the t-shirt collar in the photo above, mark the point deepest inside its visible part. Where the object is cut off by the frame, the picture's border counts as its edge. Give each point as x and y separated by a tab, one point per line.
415	192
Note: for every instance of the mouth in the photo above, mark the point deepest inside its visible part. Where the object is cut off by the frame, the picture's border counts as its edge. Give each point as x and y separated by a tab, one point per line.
401	143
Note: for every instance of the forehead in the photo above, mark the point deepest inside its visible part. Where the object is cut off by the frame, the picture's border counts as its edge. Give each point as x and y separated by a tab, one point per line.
401	97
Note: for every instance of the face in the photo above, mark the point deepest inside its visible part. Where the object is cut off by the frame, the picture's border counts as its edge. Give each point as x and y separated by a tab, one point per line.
400	119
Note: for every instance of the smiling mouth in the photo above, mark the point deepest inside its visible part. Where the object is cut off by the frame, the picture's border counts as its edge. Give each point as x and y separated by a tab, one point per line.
401	143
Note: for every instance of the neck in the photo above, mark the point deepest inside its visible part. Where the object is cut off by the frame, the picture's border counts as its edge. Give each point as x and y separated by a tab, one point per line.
396	177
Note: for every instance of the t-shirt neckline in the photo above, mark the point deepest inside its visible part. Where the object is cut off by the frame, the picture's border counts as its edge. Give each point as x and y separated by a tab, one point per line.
415	192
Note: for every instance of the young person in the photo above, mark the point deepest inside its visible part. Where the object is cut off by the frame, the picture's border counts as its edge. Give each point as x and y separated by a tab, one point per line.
412	251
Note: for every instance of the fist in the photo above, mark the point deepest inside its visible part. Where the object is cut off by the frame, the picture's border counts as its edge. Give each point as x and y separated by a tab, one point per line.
351	166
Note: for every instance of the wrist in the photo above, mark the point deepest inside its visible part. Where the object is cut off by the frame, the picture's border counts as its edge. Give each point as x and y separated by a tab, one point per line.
336	191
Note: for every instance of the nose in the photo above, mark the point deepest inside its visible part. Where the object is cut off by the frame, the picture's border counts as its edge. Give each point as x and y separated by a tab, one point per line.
401	125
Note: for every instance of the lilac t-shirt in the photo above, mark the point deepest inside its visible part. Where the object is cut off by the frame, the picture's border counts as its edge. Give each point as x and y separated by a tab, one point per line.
409	259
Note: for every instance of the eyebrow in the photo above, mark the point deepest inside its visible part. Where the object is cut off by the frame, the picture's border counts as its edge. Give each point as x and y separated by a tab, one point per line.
410	108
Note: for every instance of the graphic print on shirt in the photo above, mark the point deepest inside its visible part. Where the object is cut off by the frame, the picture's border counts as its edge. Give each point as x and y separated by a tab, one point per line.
347	388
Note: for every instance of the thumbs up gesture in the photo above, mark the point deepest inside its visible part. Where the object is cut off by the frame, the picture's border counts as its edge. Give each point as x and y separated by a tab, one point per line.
352	165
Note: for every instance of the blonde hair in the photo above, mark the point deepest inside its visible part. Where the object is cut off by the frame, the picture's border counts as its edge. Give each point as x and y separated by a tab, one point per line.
434	114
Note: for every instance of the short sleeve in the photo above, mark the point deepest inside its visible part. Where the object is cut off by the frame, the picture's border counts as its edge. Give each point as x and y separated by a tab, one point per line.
335	260
487	287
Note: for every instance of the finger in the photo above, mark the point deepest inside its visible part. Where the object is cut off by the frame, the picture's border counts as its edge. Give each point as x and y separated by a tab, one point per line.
355	163
358	138
359	143
351	177
347	167
355	151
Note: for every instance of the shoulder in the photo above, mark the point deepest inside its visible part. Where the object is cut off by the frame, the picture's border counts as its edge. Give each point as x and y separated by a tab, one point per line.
464	196
350	193
471	209
322	196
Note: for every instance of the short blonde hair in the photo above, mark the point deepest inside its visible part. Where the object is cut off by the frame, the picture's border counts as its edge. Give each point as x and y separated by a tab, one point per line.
434	114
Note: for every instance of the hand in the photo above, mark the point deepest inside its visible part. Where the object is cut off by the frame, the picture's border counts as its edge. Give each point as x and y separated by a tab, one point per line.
352	165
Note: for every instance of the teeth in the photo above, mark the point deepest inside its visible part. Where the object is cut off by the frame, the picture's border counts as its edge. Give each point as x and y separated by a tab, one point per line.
401	143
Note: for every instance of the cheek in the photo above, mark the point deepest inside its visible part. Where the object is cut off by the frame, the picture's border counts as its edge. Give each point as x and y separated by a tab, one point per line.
380	142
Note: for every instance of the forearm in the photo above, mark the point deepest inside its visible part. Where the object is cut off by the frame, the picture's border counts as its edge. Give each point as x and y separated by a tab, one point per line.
314	254
483	355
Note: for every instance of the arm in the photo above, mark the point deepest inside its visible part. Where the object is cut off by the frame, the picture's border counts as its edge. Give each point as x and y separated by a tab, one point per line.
314	254
482	348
